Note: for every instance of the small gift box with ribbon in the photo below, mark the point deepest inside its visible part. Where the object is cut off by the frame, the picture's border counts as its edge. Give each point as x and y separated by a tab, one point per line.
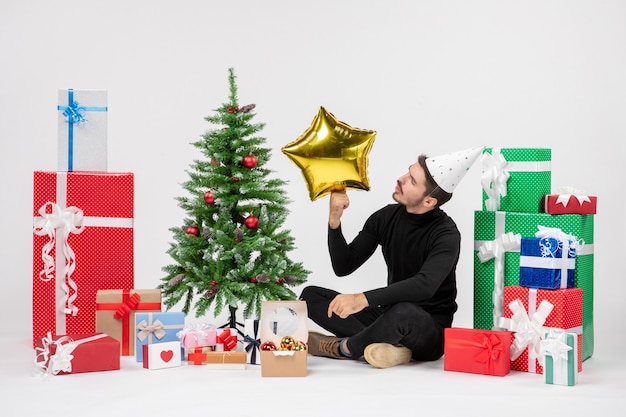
569	200
515	179
279	320
560	351
115	313
161	355
82	134
82	242
77	353
228	360
157	328
197	335
529	313
226	340
252	341
197	355
477	351
548	260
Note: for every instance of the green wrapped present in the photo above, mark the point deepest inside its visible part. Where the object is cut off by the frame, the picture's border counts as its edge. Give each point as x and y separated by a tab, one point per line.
515	179
497	261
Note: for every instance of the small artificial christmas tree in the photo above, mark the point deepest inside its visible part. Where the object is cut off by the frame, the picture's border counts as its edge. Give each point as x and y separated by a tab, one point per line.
231	250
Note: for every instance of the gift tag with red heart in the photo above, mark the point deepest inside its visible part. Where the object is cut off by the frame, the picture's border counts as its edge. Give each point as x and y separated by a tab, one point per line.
162	355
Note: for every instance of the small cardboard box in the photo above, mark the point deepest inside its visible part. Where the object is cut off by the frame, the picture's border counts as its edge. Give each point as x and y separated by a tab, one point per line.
280	319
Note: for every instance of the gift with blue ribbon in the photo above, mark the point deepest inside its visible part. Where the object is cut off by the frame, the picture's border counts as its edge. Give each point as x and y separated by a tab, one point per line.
252	341
82	130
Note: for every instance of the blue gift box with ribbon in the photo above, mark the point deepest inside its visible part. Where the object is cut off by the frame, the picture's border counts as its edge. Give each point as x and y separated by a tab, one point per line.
156	328
82	130
547	263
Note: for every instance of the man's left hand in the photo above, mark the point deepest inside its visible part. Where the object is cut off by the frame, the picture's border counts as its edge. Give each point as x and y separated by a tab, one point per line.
345	304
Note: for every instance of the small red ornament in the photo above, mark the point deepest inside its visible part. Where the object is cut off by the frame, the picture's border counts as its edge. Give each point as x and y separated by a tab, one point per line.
280	281
251	221
208	197
230	109
249	161
268	346
253	280
234	179
193	230
214	283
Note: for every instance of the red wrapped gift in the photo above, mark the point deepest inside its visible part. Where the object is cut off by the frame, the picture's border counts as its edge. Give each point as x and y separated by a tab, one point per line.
477	351
77	353
82	242
226	341
530	312
569	201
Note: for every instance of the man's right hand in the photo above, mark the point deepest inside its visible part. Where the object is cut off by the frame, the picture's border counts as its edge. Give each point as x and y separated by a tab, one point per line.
339	201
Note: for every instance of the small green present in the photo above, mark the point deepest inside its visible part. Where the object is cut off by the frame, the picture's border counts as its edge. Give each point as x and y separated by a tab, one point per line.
495	231
516	179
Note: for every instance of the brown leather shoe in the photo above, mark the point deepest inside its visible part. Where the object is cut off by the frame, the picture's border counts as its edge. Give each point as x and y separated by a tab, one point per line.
323	345
385	355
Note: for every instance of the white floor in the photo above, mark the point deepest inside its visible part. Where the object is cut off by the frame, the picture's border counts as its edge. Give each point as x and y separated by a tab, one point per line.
332	388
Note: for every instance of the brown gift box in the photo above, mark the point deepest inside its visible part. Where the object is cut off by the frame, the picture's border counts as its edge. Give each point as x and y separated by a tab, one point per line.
115	313
226	360
280	319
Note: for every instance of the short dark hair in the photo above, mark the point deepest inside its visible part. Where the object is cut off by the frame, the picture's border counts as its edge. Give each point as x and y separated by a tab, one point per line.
432	189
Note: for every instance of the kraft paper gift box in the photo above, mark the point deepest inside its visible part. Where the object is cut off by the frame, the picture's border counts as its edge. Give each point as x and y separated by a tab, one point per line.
497	261
82	242
252	341
115	313
77	353
197	335
161	355
547	263
569	201
530	312
82	130
477	351
157	328
560	350
227	360
515	179
280	319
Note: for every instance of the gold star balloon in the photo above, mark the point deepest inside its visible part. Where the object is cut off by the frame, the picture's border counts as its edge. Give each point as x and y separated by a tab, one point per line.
332	155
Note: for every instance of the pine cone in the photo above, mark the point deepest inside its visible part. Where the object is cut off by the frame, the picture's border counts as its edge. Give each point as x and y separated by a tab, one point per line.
176	280
290	279
238	235
206	233
211	292
247	108
262	279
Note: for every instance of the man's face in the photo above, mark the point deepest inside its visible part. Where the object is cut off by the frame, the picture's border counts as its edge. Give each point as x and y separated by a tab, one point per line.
411	189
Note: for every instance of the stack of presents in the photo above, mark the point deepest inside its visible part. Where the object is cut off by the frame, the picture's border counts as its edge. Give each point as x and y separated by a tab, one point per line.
533	274
86	312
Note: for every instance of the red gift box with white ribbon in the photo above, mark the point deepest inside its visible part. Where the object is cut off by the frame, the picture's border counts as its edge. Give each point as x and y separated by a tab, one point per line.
569	201
82	242
529	313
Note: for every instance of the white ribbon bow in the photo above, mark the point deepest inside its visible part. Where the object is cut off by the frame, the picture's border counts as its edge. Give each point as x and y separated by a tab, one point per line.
63	221
61	360
528	330
570	245
494	178
155	328
197	331
555	345
565	193
495	249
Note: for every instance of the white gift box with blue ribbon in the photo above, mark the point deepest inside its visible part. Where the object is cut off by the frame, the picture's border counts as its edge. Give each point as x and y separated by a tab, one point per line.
82	130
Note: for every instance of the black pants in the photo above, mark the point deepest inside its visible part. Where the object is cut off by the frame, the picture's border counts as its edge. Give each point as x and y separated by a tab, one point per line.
404	323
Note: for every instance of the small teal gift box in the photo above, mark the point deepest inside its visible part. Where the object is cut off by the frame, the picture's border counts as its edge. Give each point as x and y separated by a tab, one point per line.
560	360
156	328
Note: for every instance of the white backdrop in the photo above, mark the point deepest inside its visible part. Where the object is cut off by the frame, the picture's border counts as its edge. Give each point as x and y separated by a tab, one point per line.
428	76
